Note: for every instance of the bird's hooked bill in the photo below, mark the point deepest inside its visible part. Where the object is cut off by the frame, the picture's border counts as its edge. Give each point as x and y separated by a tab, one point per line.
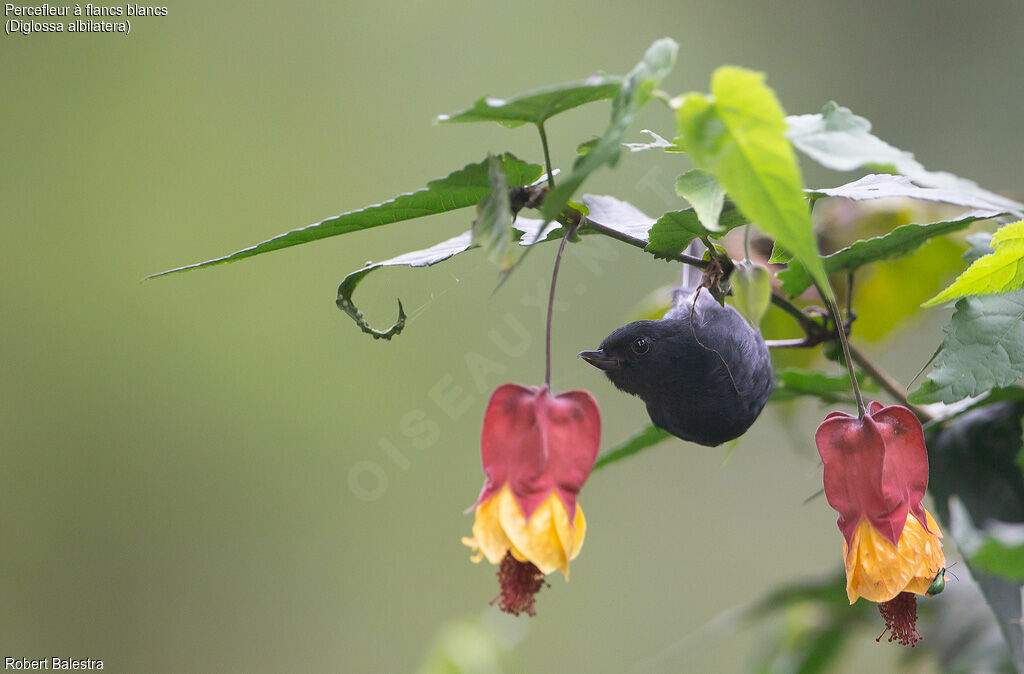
599	359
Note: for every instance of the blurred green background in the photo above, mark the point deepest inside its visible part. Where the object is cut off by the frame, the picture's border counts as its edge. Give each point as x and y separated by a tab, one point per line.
216	472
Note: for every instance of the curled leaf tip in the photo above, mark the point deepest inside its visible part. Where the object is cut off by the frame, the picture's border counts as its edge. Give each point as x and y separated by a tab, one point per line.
346	304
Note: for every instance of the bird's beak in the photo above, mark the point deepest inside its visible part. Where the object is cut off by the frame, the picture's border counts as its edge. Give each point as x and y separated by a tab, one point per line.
600	360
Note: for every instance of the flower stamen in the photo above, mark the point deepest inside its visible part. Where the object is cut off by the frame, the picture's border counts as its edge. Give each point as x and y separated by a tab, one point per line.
520	582
900	616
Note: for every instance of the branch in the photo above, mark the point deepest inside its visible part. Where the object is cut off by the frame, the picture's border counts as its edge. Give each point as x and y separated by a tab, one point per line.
815	332
638	243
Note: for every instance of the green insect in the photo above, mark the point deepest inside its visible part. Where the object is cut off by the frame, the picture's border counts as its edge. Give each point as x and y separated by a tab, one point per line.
939	583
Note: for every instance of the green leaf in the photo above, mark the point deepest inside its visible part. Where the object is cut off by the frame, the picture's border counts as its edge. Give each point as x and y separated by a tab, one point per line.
674	230
1002	553
648	437
459	189
901	241
980	245
883	186
492	228
1000	272
840	140
751	291
705	195
419	258
983	348
738	134
792	383
539	105
526	229
779	255
587	145
635	92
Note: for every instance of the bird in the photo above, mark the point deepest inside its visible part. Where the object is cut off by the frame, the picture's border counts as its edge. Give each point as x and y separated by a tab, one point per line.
702	369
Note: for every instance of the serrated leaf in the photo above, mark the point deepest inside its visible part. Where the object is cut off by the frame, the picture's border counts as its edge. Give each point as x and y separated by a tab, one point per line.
539	105
418	258
901	241
704	194
751	291
634	93
674	230
657	143
738	134
983	348
645	438
526	229
492	228
459	189
885	186
779	255
792	383
840	140
619	215
1000	272
980	244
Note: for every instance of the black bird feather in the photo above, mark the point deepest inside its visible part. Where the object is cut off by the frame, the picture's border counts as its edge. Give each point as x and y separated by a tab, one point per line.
703	371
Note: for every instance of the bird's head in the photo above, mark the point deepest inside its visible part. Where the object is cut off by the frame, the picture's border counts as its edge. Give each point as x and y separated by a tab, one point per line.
637	357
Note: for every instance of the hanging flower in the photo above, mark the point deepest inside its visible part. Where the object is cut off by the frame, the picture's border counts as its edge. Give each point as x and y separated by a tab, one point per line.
537	452
876	473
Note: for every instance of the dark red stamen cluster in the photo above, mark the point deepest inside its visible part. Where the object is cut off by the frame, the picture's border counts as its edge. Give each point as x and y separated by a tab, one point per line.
900	615
520	582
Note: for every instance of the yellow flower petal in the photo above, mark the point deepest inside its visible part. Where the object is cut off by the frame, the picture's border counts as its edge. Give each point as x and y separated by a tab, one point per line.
537	539
878	570
488	538
548	541
570	536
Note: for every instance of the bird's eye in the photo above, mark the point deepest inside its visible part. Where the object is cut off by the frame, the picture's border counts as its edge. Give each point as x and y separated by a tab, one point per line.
641	345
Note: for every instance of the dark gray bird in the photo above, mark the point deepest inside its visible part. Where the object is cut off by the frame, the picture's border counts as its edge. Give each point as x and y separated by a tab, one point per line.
703	371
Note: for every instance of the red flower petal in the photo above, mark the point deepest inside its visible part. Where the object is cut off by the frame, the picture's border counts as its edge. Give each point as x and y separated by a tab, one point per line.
875	467
539	443
905	473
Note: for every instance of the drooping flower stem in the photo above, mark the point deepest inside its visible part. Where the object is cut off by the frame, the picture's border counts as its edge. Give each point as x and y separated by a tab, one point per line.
569	229
547	155
841	331
888	383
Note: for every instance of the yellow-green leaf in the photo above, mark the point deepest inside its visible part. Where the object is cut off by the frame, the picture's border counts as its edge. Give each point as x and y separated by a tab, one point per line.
738	133
1000	272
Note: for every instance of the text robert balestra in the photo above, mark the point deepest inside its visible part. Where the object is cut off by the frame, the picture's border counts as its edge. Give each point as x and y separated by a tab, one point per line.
52	663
